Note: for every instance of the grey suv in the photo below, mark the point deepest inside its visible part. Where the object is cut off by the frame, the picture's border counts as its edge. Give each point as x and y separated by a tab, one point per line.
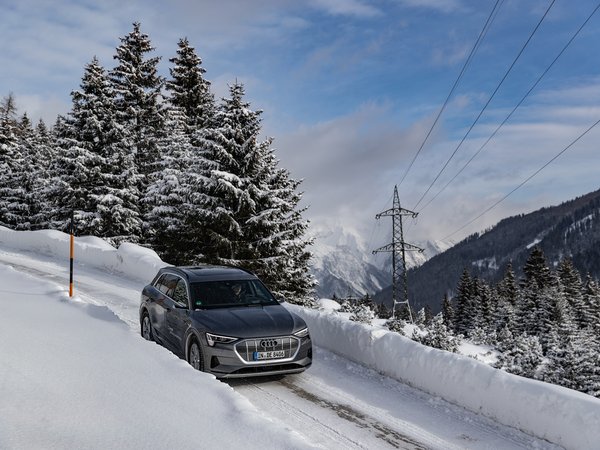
223	320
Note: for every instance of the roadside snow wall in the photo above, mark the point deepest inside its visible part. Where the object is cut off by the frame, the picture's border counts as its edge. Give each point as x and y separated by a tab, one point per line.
131	260
562	416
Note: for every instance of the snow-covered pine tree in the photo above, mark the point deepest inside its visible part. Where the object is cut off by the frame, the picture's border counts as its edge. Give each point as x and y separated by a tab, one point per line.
573	291
8	120
363	314
438	336
448	312
507	287
524	358
95	176
486	306
533	307
171	191
464	304
279	232
13	206
43	145
536	269
591	298
188	88
137	88
251	217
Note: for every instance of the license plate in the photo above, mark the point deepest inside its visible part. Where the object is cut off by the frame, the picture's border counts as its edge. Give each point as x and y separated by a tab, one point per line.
259	356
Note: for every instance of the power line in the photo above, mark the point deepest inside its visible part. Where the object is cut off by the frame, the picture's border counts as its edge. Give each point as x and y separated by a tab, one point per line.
487	103
482	34
525	181
515	108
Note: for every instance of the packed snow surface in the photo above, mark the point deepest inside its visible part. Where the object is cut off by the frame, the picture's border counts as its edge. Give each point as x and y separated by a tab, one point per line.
55	393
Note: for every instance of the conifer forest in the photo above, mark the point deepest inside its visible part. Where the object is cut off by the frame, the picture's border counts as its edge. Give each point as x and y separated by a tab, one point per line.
158	162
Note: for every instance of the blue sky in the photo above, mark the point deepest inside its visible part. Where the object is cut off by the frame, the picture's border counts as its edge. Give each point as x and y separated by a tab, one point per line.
349	89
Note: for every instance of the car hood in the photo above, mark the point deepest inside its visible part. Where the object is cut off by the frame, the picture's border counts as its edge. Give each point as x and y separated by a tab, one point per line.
248	321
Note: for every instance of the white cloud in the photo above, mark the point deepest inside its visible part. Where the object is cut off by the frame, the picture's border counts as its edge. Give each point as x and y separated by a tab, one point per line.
347	7
438	5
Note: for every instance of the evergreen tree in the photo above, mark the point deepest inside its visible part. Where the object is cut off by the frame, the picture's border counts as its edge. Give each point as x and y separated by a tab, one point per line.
465	307
507	288
485	307
536	269
188	89
8	121
95	176
524	358
591	300
537	293
396	325
43	146
137	88
363	314
16	161
250	215
448	312
572	289
438	336
170	191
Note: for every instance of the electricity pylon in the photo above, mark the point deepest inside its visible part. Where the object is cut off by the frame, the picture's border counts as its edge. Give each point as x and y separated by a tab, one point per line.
398	248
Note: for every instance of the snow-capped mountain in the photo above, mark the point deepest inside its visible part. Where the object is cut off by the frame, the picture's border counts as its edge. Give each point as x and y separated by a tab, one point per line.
345	267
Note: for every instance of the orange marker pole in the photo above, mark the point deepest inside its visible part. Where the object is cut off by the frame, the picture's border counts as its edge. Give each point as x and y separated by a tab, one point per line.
71	255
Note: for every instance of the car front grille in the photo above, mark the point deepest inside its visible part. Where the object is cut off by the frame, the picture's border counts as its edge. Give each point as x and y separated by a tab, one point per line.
248	348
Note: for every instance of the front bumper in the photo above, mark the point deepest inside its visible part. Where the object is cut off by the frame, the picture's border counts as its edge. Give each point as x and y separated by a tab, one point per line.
235	360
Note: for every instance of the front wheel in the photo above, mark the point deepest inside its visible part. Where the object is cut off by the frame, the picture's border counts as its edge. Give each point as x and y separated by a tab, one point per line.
147	328
195	356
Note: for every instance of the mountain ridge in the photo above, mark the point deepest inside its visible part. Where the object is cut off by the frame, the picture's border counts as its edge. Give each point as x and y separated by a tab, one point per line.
570	229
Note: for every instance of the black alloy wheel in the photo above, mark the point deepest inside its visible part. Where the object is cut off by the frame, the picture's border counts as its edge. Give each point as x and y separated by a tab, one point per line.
195	356
147	328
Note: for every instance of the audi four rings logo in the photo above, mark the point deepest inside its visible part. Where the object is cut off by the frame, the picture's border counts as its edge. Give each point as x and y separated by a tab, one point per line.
266	343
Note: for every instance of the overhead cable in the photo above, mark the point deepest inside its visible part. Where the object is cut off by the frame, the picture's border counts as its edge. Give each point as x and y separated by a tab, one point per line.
525	181
482	34
487	103
515	108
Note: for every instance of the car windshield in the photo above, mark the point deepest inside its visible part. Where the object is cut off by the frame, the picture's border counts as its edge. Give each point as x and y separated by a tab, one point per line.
230	293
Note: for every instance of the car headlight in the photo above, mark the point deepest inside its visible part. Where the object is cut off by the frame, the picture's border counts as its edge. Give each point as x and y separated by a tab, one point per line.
213	339
302	333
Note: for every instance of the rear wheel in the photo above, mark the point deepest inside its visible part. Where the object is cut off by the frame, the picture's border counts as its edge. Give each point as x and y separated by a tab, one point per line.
195	356
147	328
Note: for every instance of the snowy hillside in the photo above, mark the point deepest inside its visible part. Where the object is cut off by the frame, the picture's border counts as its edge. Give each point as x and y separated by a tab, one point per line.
345	267
554	414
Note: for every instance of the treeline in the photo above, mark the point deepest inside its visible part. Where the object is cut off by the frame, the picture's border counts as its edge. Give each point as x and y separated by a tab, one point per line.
157	161
547	326
544	326
572	228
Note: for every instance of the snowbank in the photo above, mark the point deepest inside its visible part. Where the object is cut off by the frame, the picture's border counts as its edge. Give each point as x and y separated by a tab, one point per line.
130	259
562	416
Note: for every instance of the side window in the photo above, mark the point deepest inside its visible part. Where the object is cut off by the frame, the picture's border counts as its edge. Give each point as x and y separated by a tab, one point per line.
160	283
180	294
166	284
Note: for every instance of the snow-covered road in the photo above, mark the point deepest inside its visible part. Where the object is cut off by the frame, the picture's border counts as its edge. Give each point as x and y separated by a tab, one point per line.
335	404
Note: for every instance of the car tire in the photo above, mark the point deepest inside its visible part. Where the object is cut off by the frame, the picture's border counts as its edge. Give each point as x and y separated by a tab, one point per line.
195	357
146	327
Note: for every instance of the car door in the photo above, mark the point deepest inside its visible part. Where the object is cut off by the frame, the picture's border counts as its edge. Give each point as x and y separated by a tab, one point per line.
162	303
178	315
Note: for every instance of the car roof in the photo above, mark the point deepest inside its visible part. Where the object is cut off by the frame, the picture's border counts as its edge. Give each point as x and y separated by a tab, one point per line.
210	273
